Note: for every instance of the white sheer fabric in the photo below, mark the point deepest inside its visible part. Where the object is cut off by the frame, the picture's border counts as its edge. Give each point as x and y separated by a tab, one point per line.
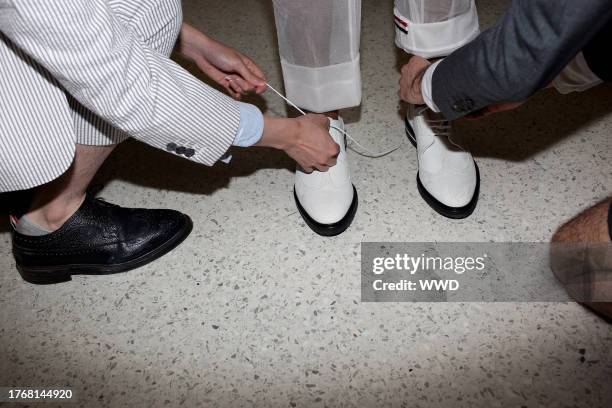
319	43
319	49
576	77
435	28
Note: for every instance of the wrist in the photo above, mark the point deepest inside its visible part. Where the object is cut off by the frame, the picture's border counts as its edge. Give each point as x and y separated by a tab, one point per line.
417	89
192	42
279	133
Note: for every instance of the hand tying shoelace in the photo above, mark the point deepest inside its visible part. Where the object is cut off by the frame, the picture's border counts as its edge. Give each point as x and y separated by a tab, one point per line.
368	153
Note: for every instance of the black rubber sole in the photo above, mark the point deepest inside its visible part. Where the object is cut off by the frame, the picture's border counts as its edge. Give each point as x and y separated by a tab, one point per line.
47	275
455	213
330	230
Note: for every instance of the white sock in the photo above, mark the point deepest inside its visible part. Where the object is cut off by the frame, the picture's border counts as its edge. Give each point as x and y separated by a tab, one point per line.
26	227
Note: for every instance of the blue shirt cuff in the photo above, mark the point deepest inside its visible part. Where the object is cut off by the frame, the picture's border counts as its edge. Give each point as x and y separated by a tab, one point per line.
251	126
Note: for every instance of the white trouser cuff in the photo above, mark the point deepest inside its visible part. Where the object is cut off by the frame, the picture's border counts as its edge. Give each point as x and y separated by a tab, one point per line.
323	89
576	77
439	39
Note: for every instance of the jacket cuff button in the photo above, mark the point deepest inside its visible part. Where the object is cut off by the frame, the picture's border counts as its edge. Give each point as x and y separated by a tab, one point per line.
171	147
189	153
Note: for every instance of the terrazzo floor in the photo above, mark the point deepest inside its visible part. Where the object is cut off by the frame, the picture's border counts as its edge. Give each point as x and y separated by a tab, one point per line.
255	310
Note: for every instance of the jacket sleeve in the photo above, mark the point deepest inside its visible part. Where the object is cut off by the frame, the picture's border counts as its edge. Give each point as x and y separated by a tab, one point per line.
526	49
109	70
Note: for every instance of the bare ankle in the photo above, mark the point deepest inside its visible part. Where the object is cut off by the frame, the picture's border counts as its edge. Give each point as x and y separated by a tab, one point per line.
331	114
54	214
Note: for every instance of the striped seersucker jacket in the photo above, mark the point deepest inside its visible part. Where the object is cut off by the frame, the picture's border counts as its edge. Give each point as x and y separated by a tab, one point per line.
75	71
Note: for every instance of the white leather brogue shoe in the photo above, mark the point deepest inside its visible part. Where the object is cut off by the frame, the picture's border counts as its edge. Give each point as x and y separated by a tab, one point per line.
448	177
328	201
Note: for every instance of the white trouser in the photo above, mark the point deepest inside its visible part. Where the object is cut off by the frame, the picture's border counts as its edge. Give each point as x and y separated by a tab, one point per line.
319	49
434	28
319	43
576	77
319	46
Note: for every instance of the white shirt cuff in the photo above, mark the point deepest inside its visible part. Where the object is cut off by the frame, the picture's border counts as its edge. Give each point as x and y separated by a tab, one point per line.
426	87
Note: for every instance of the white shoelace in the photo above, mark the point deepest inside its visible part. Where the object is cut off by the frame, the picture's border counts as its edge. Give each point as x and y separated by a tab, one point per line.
368	153
440	127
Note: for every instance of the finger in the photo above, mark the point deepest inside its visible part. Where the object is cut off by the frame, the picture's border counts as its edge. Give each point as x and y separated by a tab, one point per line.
331	162
320	120
479	114
336	149
251	72
254	68
212	72
502	107
322	168
473	117
234	86
230	91
236	95
259	89
244	86
236	89
227	84
249	80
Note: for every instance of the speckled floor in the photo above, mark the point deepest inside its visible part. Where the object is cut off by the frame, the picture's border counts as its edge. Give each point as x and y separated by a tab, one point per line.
255	310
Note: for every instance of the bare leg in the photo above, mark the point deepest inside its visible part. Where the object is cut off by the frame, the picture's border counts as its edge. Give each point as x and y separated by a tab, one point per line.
55	202
331	114
591	226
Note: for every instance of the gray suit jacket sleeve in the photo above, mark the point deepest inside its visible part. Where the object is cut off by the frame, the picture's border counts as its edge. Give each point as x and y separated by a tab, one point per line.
527	48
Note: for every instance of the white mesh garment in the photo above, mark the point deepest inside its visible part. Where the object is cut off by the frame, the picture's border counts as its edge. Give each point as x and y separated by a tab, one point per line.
576	77
319	49
435	28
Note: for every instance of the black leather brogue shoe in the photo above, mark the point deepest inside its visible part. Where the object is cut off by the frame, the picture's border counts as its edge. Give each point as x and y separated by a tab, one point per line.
100	238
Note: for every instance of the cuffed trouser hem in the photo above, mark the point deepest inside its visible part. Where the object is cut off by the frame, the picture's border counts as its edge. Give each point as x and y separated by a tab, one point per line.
323	89
576	77
433	40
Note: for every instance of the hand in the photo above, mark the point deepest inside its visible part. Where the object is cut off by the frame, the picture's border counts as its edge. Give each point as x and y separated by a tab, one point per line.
306	139
237	73
314	148
410	82
489	110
